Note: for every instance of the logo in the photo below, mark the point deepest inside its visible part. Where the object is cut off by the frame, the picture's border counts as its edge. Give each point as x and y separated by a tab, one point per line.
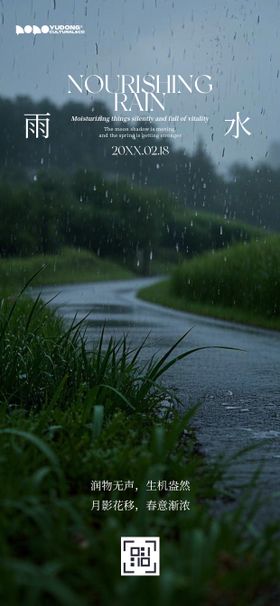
49	29
140	556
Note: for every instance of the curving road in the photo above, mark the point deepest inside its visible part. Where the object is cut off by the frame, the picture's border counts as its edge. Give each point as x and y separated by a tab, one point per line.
239	391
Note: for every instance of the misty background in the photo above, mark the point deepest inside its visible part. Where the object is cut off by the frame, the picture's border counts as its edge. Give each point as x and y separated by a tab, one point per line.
69	190
236	42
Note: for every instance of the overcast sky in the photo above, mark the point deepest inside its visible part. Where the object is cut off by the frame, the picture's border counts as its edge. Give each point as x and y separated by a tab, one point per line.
236	42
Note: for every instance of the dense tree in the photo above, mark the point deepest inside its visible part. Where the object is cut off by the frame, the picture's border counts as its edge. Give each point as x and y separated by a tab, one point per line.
112	218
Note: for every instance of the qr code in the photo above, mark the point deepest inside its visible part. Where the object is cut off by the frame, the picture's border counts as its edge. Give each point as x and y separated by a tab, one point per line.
140	556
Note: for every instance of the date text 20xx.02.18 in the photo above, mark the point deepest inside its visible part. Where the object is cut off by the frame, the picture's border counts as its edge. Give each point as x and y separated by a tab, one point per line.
139	150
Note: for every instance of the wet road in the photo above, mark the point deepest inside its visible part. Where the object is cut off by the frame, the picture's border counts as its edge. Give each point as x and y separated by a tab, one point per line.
239	391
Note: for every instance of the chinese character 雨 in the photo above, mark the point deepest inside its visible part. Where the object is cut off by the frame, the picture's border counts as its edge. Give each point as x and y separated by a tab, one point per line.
37	125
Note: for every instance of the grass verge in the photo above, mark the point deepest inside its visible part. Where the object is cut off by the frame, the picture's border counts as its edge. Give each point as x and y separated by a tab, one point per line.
162	294
240	283
68	417
71	266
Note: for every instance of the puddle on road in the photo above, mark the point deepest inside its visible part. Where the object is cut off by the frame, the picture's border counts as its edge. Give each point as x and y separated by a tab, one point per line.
117	323
262	434
235	408
99	308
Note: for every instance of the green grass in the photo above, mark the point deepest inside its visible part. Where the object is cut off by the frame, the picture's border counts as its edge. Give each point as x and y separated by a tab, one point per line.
162	294
239	284
71	266
68	416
